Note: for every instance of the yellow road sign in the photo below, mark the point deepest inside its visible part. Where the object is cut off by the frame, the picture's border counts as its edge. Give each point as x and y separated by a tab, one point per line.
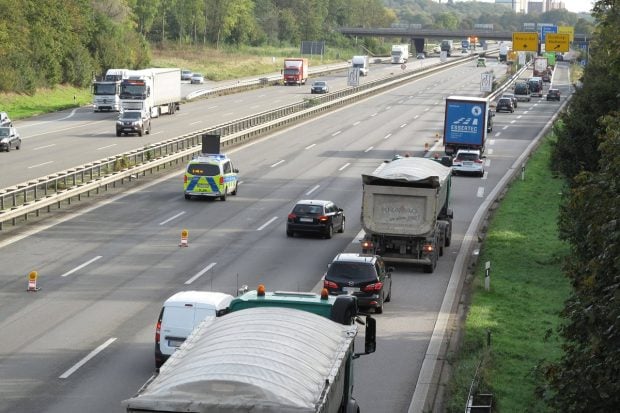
525	41
570	30
556	42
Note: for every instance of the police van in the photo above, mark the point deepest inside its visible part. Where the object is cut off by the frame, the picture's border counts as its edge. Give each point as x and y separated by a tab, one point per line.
212	176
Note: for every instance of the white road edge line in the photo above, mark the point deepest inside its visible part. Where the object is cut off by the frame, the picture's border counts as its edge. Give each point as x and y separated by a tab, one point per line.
310	146
171	218
313	189
369	149
200	273
343	167
266	223
79	267
277	163
41	164
90	355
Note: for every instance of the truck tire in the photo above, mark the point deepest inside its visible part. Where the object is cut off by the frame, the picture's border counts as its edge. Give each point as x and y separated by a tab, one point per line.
430	268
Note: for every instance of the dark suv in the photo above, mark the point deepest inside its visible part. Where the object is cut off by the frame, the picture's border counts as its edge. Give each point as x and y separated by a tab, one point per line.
322	217
504	104
133	121
362	275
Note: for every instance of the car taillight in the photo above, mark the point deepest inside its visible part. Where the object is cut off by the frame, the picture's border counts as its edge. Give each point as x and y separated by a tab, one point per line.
373	287
292	216
478	161
329	284
157	332
367	245
323	218
428	248
185	179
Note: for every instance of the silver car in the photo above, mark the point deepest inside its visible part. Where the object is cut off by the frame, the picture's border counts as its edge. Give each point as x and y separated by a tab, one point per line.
9	138
468	161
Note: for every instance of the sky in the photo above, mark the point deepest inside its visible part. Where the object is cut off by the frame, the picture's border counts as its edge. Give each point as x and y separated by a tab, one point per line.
571	5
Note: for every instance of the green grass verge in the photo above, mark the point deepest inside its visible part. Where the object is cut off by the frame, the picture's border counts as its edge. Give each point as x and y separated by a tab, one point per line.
527	292
44	101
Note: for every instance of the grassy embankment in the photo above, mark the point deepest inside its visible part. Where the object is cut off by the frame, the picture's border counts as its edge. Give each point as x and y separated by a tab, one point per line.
215	64
527	292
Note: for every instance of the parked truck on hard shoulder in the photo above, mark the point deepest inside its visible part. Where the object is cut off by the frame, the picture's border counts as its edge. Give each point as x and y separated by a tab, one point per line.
156	91
295	71
362	63
106	91
272	353
447	46
405	211
466	123
400	53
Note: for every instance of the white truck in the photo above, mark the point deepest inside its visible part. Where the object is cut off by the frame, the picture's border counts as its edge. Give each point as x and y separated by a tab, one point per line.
156	91
400	53
267	360
405	212
106	91
361	62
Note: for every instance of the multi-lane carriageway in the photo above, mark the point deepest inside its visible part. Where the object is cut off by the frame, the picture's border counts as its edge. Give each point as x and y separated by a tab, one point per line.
85	340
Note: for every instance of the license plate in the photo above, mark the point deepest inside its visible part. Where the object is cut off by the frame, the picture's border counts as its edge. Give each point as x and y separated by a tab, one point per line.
350	290
175	343
306	220
468	163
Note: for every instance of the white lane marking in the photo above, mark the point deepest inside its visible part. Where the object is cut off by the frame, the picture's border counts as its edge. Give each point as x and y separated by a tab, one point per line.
171	218
343	167
194	123
491	141
388	108
357	123
485	175
255	106
156	133
262	227
40	164
525	112
44	147
387	136
106	147
90	355
200	273
505	127
374	114
519	117
490	151
311	146
403	125
277	163
497	134
513	121
369	149
360	235
313	189
427	109
336	133
79	267
480	192
487	162
416	116
228	113
213	107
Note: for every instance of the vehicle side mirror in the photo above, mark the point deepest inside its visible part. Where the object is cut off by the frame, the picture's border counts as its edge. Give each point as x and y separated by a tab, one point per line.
235	170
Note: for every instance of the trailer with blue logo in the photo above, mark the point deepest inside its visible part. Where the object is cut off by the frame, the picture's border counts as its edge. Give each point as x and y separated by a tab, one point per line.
466	123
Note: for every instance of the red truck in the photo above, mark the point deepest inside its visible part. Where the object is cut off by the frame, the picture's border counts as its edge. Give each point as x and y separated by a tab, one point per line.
295	71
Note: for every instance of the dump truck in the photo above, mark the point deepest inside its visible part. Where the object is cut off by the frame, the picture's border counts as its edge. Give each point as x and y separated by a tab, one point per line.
265	359
155	90
466	123
405	211
295	71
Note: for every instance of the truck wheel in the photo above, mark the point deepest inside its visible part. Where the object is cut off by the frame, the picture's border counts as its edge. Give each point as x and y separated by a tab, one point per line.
430	268
330	232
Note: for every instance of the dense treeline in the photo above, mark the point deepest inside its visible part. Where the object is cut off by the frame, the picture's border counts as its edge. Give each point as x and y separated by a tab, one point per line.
47	42
587	153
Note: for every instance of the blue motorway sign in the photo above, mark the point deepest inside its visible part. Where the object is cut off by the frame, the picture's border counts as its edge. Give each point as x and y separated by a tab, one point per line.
465	121
547	29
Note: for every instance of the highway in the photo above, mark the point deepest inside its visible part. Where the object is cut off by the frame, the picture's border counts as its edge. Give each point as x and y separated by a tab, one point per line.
85	340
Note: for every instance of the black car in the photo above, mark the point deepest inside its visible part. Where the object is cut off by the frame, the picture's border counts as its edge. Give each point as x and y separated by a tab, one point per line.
504	105
553	94
512	97
362	275
9	138
320	86
133	121
315	216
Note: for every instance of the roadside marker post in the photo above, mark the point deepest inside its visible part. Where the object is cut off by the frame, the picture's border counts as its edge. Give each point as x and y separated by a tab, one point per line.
184	236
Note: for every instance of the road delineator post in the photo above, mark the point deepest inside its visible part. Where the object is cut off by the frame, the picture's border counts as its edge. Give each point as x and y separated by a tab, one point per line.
32	281
184	236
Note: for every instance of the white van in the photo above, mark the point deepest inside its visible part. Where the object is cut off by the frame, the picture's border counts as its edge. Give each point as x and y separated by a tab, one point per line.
180	314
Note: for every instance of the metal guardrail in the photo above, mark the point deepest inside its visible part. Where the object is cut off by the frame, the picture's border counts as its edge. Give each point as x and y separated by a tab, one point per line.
33	196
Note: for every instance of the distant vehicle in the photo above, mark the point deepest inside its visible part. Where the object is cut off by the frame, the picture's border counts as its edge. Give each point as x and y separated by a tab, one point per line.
553	94
319	86
295	71
315	216
464	120
210	176
180	314
420	56
106	92
504	104
133	121
540	65
447	46
9	138
503	51
362	63
522	91
186	74
512	97
5	120
197	79
536	86
363	275
437	49
468	161
156	91
400	53
481	62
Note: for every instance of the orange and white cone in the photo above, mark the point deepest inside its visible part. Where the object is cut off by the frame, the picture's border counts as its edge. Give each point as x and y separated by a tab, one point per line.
184	236
32	281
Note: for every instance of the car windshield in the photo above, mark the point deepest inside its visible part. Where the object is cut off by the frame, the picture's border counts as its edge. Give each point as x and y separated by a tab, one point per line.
4	132
350	271
302	209
467	156
504	101
130	115
197	75
319	83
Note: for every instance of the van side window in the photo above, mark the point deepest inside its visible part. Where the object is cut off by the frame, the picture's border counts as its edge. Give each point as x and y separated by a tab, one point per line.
227	168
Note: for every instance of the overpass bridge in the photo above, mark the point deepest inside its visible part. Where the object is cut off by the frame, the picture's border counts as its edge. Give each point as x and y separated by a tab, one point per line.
418	36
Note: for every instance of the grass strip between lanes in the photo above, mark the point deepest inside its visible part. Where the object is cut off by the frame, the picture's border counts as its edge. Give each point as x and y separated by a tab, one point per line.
527	292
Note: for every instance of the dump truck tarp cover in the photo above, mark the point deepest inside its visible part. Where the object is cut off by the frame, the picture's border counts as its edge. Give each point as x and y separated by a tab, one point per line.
253	360
410	172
